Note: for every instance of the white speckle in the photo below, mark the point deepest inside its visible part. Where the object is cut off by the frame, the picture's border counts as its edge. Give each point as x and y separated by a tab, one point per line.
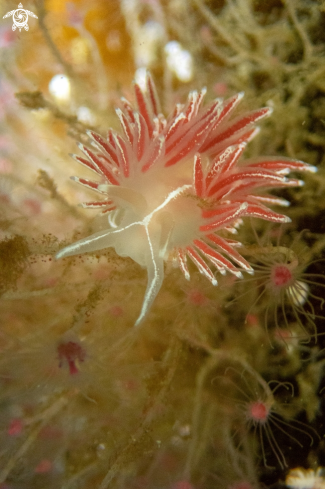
179	61
150	36
60	87
85	115
113	41
140	78
298	293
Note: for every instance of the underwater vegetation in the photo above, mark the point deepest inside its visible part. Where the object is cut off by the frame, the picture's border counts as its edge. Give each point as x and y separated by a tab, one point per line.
162	324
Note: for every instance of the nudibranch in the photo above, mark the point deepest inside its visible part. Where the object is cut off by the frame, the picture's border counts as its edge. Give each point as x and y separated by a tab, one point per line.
175	188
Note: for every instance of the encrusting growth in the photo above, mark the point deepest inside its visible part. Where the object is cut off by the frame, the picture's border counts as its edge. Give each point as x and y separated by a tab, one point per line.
173	188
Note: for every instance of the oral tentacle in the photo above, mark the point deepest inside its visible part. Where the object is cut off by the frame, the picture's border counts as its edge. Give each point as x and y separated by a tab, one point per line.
155	269
94	242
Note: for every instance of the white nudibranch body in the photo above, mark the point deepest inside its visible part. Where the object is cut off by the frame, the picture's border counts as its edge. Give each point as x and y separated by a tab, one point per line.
173	187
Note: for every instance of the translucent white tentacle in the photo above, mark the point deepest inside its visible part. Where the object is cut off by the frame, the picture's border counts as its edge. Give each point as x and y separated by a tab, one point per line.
95	242
155	269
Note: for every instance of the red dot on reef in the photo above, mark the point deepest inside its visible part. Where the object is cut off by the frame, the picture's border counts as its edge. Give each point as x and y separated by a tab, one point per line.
43	467
197	298
281	275
15	427
4	199
252	320
131	385
183	485
282	334
116	311
51	433
220	89
71	352
258	411
32	206
5	165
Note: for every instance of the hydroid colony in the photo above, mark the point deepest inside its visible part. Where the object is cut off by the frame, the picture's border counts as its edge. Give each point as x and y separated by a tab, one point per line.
220	385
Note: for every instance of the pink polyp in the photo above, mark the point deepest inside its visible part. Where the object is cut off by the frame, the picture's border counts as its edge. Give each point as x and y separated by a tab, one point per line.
281	276
258	411
71	352
15	428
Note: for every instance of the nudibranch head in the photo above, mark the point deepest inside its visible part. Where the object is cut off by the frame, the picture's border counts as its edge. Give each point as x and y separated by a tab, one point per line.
170	186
